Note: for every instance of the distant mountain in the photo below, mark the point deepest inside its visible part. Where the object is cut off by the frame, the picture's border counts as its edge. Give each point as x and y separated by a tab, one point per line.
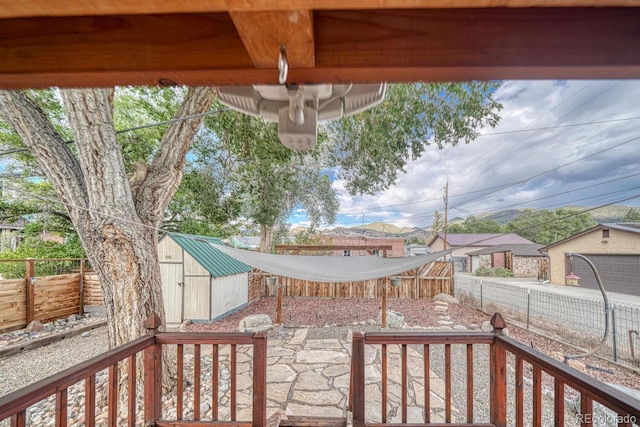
385	228
613	213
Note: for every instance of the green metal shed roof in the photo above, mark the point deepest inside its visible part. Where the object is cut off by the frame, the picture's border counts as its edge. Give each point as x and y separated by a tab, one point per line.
214	261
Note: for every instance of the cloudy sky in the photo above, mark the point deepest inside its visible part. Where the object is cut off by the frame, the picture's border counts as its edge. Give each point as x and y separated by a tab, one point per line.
558	143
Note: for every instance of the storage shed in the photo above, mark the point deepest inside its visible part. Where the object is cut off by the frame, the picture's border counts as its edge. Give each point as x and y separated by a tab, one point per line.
198	281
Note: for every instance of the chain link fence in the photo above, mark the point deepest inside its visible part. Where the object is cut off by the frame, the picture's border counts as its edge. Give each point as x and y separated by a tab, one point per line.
574	320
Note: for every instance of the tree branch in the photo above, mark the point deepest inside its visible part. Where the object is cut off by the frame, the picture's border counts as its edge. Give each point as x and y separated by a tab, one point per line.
165	172
52	153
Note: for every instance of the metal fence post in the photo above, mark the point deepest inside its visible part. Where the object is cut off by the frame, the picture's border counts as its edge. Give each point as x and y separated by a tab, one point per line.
481	296
528	306
613	333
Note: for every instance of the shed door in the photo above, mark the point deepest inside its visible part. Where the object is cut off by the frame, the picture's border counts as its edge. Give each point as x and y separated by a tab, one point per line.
197	294
172	288
619	273
498	260
475	263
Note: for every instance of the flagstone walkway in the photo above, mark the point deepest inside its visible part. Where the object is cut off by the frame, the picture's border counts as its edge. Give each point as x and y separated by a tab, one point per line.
310	377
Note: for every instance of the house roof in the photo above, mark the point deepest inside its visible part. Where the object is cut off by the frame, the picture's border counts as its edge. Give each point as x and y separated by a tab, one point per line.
630	227
481	239
215	262
531	249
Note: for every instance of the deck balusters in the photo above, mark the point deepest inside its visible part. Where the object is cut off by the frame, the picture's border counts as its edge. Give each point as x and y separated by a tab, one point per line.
519	392
447	383
383	401
112	414
90	401
131	392
214	382
180	385
196	382
469	383
232	391
537	396
558	403
427	384
61	408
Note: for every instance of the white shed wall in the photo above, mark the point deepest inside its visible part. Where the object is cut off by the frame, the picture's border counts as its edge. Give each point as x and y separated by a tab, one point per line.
228	294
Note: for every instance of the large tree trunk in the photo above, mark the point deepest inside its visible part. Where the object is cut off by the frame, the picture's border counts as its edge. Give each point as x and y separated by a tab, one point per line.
116	220
266	239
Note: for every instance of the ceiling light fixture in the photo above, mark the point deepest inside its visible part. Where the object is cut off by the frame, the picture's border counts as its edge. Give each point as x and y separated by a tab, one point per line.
298	108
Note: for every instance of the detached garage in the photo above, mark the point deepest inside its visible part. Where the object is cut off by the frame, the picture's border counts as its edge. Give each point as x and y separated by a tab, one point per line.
614	248
198	281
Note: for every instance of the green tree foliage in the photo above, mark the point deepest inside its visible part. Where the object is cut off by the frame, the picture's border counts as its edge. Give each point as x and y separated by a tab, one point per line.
632	216
372	147
473	225
546	227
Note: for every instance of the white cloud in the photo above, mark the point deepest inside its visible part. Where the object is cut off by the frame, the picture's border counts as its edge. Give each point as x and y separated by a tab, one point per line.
499	159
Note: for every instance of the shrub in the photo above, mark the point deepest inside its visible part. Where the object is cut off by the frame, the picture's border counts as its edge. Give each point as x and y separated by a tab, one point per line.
493	272
483	271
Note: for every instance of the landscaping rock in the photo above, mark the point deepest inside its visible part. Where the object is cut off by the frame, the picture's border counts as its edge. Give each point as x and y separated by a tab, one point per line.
184	325
255	323
440	309
450	299
34	326
394	319
486	327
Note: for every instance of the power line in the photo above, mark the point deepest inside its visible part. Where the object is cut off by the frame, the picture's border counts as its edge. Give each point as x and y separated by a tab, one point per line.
131	129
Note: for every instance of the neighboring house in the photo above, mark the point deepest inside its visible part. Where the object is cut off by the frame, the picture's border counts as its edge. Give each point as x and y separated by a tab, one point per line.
613	248
463	243
251	243
397	245
10	233
524	260
413	250
200	282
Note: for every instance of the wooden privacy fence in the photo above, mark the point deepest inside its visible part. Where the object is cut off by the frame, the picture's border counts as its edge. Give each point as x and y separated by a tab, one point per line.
421	283
46	298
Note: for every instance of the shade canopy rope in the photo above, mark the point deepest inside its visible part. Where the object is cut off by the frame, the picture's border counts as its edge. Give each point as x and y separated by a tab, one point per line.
329	268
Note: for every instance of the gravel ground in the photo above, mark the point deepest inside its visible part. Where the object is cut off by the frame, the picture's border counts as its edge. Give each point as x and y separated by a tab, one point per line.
29	366
328	318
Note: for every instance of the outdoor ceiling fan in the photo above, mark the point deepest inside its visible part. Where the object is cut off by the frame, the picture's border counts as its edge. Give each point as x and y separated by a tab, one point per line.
298	108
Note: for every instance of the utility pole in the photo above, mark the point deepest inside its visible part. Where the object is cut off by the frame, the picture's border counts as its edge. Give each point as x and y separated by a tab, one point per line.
446	211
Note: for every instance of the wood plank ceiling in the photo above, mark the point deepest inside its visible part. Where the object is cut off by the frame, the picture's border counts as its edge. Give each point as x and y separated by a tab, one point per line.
212	42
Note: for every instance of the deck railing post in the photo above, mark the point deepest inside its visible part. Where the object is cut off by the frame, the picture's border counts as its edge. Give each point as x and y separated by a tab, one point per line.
152	375
259	380
498	376
357	384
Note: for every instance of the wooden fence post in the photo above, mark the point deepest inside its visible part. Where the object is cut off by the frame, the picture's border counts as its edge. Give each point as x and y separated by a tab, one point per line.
82	268
385	286
259	380
152	374
357	379
498	376
30	281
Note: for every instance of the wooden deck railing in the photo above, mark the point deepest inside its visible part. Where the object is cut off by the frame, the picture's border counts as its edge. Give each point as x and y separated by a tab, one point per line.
516	378
149	409
506	377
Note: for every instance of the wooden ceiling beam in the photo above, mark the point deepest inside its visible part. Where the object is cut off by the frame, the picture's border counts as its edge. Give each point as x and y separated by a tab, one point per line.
333	46
33	8
263	33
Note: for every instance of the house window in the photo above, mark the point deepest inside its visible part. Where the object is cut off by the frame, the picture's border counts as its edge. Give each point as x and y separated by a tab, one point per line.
347	253
605	233
376	252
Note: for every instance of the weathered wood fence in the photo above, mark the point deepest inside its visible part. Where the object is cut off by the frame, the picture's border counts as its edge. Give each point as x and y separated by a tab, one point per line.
421	283
46	298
